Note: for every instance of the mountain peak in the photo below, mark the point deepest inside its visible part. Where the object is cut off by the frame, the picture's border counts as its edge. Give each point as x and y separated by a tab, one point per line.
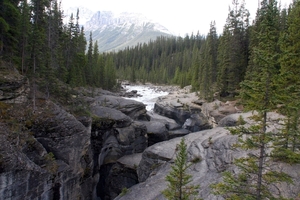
117	31
107	18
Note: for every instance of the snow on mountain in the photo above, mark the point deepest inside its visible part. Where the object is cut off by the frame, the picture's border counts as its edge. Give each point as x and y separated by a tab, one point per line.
85	14
117	31
104	19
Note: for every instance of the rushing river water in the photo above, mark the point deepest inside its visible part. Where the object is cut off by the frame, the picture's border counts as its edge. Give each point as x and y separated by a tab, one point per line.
149	94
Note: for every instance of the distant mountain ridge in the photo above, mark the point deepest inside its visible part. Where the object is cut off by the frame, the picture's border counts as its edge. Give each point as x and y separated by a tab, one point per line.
118	31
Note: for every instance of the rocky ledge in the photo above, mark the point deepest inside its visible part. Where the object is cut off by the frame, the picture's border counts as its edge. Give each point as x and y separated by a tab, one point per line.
211	153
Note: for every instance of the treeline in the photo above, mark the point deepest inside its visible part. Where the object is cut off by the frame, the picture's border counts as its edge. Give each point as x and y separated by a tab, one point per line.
34	38
212	64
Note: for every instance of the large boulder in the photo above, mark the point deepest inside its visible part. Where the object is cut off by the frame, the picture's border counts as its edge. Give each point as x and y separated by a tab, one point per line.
103	115
174	111
170	124
131	108
183	107
217	110
197	122
132	139
156	131
174	129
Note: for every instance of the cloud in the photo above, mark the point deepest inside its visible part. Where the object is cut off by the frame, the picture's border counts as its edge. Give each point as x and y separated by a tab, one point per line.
181	17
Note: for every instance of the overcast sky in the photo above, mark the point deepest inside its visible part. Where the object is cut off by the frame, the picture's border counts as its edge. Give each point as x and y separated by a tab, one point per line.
180	17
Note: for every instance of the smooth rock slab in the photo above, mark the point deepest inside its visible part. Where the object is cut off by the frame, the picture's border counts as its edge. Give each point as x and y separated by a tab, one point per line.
131	108
211	152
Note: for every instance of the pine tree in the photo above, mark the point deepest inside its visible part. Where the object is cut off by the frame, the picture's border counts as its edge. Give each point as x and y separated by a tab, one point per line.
89	66
208	67
109	74
224	62
288	141
179	187
24	36
9	29
233	50
258	93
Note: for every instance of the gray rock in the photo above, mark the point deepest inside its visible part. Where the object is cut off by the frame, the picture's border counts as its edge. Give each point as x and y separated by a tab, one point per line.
217	110
196	122
122	175
178	133
171	124
131	108
156	131
131	161
14	88
132	139
110	151
107	117
211	153
31	172
232	120
178	114
119	177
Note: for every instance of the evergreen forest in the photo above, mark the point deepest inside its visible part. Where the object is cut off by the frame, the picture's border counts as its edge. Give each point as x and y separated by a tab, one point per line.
34	39
257	62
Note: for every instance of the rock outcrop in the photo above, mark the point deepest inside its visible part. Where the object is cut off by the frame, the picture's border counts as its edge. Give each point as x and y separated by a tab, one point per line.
217	110
53	162
211	153
14	88
131	108
54	155
181	107
114	135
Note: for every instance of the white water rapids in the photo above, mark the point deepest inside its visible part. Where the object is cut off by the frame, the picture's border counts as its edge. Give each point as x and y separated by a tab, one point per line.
149	94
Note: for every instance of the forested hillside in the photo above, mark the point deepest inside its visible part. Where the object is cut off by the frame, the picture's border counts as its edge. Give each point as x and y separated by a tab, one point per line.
212	63
34	40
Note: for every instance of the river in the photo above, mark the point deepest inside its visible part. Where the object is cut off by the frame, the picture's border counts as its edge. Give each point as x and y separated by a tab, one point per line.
149	94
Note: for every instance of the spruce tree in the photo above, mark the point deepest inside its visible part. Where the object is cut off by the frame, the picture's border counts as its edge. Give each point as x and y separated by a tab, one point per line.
9	29
286	147
233	49
258	93
179	187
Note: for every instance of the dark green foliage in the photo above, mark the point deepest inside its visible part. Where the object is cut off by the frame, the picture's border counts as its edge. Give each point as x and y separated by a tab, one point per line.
179	187
259	92
33	37
158	60
208	68
255	176
288	141
10	19
233	50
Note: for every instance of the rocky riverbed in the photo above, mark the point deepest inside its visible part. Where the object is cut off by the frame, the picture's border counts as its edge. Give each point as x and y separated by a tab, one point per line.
120	144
